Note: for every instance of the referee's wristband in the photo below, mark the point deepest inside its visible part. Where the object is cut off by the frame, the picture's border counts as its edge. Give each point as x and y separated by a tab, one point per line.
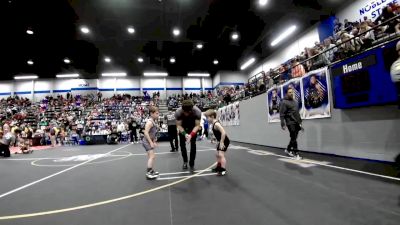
192	134
183	133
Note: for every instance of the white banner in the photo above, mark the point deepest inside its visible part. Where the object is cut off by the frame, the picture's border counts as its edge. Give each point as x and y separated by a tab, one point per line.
229	115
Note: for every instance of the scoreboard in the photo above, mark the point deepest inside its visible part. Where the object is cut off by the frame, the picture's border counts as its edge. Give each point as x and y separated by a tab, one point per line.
364	80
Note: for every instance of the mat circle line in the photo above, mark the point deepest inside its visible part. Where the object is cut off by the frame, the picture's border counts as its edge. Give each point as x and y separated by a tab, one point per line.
34	163
91	205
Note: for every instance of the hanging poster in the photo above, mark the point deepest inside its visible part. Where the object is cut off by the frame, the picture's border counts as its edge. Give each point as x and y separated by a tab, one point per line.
274	97
229	115
317	103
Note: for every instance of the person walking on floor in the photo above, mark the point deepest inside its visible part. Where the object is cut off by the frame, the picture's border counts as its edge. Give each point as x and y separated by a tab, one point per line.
188	123
290	118
172	131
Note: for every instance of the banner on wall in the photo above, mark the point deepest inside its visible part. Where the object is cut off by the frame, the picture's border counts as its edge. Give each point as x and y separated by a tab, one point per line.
371	9
274	98
316	100
311	92
229	115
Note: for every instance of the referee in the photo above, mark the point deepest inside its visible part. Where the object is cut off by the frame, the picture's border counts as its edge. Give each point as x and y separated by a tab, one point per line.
188	123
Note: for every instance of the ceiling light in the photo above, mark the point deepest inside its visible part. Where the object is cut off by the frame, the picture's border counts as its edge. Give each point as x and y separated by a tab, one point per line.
199	46
67	61
107	59
67	75
140	59
29	31
85	30
284	35
113	74
155	74
215	62
172	60
30	77
131	30
235	36
30	62
198	74
262	2
247	64
176	32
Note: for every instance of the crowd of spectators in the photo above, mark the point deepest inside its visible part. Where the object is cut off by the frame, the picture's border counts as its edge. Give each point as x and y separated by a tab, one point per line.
66	120
203	100
349	38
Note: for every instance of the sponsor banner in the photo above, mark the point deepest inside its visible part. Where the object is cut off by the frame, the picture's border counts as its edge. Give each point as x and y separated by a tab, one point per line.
229	115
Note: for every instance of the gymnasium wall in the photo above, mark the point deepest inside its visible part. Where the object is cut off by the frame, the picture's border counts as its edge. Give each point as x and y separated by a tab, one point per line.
231	78
6	87
108	86
356	10
370	133
193	85
174	86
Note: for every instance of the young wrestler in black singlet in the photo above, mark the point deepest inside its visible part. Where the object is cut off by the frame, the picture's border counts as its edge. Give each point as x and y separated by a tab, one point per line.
223	141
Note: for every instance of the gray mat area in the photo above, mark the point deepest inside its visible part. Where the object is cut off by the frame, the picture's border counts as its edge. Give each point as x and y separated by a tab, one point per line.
260	188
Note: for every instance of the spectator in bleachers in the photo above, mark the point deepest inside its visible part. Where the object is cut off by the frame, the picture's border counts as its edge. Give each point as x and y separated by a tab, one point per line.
330	50
369	22
387	13
368	37
227	98
337	25
284	72
348	26
297	69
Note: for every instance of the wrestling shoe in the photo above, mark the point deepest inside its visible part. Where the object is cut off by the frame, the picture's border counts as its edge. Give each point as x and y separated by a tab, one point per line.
151	175
222	172
216	169
289	153
298	157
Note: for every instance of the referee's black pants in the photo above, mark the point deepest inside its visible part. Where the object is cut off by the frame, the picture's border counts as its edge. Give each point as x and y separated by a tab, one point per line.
182	141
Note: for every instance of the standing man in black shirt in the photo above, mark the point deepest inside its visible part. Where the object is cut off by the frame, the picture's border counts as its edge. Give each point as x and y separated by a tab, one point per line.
188	123
172	131
132	126
290	118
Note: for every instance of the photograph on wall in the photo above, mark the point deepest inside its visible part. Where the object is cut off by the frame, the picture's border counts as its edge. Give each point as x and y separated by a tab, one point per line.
295	85
316	94
221	115
274	97
229	115
232	116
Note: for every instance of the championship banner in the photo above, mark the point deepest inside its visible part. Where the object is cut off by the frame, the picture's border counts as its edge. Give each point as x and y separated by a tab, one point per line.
274	98
229	115
317	103
296	86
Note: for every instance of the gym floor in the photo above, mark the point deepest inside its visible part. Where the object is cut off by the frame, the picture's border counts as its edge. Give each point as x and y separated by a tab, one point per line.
106	185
